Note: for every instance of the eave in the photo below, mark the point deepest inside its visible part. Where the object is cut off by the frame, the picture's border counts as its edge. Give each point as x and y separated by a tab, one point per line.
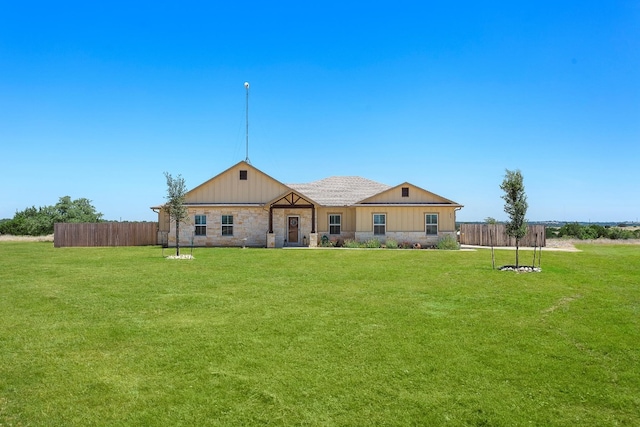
438	205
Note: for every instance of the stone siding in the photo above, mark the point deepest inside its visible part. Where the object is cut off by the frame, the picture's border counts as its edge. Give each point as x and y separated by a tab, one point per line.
280	226
250	226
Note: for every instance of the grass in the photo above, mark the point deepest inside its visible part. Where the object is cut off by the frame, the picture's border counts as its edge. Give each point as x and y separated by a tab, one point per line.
122	336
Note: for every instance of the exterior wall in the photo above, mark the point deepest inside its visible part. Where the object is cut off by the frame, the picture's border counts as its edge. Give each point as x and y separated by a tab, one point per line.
228	187
251	224
163	220
405	219
280	226
347	227
163	227
404	224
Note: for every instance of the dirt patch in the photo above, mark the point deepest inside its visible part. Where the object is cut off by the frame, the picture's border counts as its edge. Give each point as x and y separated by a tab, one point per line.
563	244
569	244
10	238
563	302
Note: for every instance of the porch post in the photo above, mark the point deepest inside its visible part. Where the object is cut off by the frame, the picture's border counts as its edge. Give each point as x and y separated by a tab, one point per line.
271	219
313	218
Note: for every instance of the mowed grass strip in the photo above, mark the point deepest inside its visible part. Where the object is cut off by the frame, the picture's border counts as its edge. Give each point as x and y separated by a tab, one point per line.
122	336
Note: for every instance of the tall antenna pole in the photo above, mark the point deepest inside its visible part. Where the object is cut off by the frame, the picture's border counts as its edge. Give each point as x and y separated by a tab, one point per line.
246	86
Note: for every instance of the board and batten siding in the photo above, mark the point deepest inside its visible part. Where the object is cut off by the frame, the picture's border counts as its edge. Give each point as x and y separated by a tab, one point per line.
163	220
403	218
416	195
228	187
348	219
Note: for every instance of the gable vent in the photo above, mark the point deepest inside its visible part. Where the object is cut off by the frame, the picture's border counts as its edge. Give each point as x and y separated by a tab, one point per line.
243	175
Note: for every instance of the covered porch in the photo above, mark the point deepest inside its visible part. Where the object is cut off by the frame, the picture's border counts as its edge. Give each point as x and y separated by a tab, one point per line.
292	222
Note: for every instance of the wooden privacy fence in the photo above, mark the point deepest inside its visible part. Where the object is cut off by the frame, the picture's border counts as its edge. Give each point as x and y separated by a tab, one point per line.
483	234
105	234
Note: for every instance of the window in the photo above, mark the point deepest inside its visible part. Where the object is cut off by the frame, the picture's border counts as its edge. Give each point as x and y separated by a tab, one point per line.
227	225
405	191
201	225
243	175
431	224
334	224
379	223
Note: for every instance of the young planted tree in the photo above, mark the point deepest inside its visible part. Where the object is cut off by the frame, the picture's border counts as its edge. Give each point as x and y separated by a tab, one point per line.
176	192
491	223
515	205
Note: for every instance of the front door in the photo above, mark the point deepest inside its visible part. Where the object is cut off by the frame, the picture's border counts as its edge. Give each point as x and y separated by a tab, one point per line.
293	226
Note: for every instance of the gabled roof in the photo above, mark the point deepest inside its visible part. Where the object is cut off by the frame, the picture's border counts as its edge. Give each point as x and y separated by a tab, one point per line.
242	163
225	189
242	183
418	195
340	190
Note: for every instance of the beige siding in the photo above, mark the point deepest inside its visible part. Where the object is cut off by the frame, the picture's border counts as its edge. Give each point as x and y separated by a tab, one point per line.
348	219
416	195
229	188
403	218
163	221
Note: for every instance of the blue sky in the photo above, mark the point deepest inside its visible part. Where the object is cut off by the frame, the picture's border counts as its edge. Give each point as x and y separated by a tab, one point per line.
98	100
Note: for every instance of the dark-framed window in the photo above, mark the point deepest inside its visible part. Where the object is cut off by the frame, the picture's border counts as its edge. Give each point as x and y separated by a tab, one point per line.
227	225
335	223
201	225
243	175
379	224
405	191
431	224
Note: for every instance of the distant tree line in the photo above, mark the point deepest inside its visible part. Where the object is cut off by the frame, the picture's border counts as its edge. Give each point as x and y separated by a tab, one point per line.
39	221
592	231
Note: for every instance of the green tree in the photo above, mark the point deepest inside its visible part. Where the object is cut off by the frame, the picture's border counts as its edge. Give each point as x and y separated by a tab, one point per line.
571	229
176	193
515	205
39	221
79	210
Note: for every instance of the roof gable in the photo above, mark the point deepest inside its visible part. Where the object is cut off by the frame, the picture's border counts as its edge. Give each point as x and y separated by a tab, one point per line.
232	186
292	199
414	195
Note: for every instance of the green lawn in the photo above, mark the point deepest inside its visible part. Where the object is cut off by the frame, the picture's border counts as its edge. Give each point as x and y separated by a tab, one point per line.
122	336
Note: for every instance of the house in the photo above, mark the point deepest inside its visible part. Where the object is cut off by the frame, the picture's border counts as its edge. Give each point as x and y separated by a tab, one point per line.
244	206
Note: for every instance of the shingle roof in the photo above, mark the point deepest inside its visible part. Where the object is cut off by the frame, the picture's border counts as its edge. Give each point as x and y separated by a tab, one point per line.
340	190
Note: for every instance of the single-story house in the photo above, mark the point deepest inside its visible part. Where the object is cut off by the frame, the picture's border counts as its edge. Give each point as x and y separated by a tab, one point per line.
244	206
